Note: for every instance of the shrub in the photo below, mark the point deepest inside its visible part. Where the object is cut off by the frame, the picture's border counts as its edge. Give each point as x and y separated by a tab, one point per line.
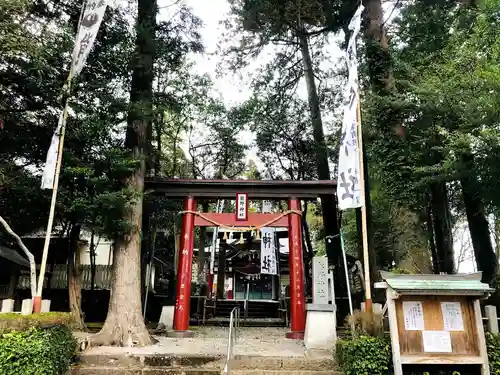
493	346
17	322
37	351
364	355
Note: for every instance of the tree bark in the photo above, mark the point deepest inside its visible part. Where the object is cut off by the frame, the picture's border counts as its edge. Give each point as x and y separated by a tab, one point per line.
309	254
75	277
93	267
497	237
328	202
124	325
377	48
430	237
441	217
486	259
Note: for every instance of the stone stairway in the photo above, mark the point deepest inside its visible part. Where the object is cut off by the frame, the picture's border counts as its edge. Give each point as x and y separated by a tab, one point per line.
159	364
257	351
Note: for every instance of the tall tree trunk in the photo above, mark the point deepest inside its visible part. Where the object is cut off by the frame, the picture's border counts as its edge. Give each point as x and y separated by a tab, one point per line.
146	246
430	237
442	228
328	202
309	254
124	325
377	48
75	277
373	262
93	267
202	256
497	237
479	229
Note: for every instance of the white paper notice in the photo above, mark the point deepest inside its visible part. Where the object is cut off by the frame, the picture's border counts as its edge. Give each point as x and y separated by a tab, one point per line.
452	316
413	315
436	341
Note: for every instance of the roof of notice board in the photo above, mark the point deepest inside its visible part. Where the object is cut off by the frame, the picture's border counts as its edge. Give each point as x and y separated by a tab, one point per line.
435	284
227	189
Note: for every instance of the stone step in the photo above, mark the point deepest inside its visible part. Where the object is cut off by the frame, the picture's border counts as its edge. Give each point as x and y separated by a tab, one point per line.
119	370
284	372
282	363
148	360
136	370
208	362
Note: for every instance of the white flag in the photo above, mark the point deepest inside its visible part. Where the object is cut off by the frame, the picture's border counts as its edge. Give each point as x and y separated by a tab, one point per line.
87	32
348	189
50	164
268	262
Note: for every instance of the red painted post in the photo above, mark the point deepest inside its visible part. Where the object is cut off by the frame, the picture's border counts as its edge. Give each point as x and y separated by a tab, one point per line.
297	297
183	288
210	284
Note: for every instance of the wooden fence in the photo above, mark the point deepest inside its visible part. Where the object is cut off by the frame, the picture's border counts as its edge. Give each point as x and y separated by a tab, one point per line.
59	279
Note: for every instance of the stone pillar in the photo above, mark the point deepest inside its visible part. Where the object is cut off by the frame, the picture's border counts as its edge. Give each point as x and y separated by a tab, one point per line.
184	270
491	314
45	305
26	307
321	320
8	305
297	297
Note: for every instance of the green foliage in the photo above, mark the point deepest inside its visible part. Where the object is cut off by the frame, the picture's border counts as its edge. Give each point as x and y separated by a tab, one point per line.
17	322
493	346
364	355
397	233
37	351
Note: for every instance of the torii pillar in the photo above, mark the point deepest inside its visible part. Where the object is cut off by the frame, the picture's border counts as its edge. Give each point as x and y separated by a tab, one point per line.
184	271
295	260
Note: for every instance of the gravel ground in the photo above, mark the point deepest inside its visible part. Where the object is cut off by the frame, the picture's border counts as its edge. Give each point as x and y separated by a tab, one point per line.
269	342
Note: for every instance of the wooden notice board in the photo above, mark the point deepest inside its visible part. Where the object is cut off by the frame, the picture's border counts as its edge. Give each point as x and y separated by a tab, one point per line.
464	343
436	320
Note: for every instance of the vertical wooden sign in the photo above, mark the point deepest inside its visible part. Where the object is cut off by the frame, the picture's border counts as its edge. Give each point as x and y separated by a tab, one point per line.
241	206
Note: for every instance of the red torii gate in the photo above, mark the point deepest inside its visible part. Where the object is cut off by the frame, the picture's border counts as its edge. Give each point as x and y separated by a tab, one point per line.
293	191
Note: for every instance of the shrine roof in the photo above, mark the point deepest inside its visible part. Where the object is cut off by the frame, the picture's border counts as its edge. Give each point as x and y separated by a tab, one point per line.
227	189
437	284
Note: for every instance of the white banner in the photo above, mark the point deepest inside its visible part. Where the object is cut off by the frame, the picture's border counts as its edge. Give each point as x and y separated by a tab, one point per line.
348	189
268	262
49	170
87	32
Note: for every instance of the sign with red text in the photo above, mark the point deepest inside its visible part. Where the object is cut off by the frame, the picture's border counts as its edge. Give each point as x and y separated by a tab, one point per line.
241	206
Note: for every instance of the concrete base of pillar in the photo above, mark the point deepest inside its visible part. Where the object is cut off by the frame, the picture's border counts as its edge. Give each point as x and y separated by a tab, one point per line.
295	335
180	334
26	307
45	306
8	306
320	327
166	318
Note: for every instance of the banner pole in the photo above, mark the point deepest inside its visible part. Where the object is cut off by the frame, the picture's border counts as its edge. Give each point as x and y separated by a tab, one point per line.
364	231
346	270
37	301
